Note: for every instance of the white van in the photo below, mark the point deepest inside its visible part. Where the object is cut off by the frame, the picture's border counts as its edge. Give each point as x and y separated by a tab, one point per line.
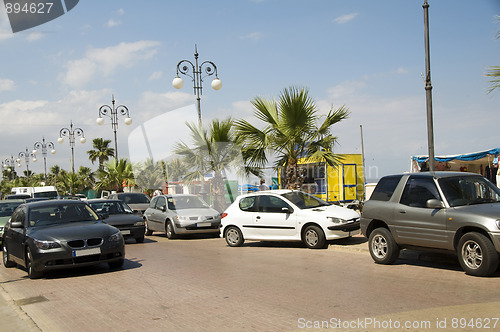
36	192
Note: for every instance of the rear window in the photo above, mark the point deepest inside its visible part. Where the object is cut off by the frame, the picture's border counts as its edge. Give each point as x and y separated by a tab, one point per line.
385	188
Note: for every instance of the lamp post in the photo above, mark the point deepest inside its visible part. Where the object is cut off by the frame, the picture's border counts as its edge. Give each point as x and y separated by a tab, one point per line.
26	155
428	89
43	146
112	113
9	165
71	133
195	71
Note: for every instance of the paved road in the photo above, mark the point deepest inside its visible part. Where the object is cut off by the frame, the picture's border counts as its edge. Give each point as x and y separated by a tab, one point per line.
200	284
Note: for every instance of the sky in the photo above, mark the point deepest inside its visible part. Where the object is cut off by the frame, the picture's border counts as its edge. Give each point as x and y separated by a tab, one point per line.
366	55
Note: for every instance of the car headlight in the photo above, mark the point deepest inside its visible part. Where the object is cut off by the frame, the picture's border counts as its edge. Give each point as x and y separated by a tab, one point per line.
140	223
116	237
336	220
45	245
178	218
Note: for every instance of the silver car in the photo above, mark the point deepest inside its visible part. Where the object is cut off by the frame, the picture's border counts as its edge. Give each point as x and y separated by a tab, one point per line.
181	214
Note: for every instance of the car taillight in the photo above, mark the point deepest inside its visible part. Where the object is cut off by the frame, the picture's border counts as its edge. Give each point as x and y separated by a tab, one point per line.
223	215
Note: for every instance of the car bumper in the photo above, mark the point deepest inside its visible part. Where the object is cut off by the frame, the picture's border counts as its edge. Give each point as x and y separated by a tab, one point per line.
342	230
62	258
496	240
133	232
202	227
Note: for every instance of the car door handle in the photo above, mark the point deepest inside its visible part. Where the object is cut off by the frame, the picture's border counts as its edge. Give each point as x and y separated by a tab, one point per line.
402	211
258	217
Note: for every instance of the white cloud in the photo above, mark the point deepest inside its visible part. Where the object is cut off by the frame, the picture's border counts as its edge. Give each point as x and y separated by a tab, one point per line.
156	76
253	36
346	89
113	23
104	61
158	103
345	18
120	11
7	85
34	36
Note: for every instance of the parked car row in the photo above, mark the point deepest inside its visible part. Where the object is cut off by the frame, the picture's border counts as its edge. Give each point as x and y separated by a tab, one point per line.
53	234
457	212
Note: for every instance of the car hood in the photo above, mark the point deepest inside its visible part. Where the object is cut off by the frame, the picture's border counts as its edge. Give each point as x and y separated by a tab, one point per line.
122	219
72	231
331	211
491	210
197	212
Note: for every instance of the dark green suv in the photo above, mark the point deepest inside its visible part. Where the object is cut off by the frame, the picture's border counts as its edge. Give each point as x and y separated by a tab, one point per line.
453	211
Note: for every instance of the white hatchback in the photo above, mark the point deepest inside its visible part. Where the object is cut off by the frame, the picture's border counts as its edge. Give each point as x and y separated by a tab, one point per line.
286	215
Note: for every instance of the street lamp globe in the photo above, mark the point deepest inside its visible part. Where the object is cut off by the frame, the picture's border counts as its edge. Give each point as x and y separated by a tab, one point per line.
100	121
216	84
53	151
60	140
83	140
128	121
34	159
178	82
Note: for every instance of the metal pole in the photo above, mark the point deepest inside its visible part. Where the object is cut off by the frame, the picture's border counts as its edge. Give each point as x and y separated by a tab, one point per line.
363	161
428	90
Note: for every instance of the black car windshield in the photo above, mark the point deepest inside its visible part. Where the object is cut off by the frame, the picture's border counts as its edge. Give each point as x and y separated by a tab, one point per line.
60	214
117	207
303	200
468	190
6	208
134	198
186	202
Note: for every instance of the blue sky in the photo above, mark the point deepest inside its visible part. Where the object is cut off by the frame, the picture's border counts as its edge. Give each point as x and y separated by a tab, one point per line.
364	54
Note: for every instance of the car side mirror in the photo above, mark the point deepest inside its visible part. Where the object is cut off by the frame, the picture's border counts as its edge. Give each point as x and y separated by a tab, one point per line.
286	210
16	224
434	204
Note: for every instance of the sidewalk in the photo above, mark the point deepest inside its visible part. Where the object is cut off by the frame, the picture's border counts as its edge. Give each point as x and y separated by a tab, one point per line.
12	318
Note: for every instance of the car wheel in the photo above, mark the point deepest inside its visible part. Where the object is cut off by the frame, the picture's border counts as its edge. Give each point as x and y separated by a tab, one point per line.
383	248
314	238
477	255
5	257
234	237
32	273
116	264
169	230
148	231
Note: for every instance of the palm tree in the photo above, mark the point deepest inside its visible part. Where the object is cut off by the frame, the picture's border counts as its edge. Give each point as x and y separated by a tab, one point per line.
494	72
118	173
101	151
149	175
213	151
291	132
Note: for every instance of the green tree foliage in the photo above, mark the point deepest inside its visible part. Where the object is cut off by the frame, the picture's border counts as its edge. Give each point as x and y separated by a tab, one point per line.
292	130
212	150
494	73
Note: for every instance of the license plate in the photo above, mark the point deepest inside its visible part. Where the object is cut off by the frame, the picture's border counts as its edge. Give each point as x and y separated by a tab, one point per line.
125	232
203	224
86	252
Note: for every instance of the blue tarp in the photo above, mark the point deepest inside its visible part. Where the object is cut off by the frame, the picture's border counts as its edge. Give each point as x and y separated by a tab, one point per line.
464	157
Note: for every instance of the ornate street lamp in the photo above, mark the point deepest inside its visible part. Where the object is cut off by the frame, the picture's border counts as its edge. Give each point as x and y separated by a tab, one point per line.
71	133
9	165
195	71
26	155
112	113
43	146
428	89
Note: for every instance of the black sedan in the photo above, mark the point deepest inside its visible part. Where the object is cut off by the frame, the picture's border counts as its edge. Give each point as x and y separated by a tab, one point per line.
117	213
57	234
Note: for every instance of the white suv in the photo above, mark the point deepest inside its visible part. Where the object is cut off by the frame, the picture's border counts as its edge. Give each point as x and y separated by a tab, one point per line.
286	215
